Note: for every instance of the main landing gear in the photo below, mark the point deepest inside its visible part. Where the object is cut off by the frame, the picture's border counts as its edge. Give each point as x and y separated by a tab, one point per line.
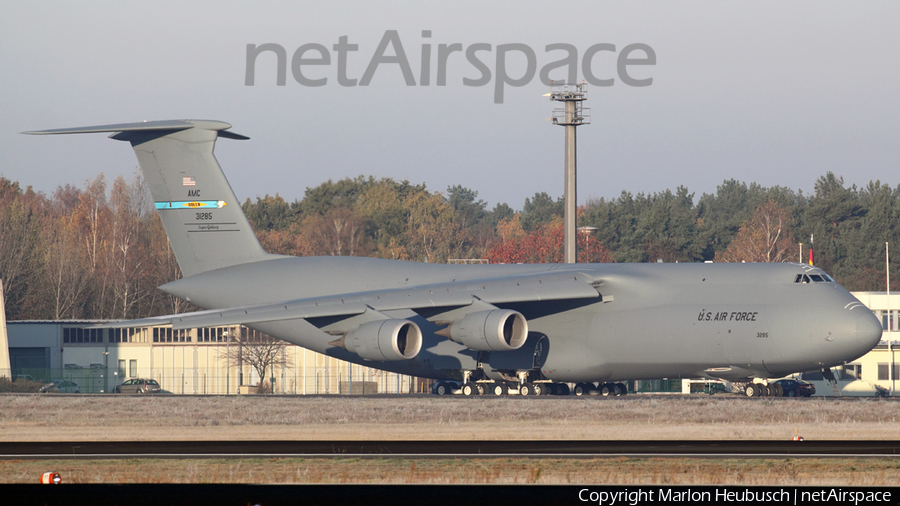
763	390
604	389
527	383
498	388
529	389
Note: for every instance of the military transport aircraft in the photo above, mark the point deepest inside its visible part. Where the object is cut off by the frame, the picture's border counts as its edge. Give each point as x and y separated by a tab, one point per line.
531	328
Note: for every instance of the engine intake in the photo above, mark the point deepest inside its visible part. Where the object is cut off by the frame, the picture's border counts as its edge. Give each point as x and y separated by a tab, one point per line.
495	330
384	340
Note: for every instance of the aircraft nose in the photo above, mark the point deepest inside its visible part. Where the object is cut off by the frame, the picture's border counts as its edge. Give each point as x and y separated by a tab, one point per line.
868	330
855	333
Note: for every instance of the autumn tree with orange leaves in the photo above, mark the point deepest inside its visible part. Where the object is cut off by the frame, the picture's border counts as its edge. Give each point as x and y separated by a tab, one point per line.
544	244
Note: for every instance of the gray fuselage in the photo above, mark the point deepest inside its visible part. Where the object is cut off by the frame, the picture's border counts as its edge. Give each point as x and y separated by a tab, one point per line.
729	321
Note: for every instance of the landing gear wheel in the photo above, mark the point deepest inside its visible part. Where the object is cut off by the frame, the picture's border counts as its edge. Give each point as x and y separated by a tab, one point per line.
539	388
499	389
481	388
442	389
619	389
526	389
582	389
562	389
469	390
752	390
606	389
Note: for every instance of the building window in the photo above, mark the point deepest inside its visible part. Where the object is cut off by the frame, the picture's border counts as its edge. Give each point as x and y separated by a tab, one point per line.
72	335
132	335
883	371
183	336
211	335
888	319
853	371
121	369
132	369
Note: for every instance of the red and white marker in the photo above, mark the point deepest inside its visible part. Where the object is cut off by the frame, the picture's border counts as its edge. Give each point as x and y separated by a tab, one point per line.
51	479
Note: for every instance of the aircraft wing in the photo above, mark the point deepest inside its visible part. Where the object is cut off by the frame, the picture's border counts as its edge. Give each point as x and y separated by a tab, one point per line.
540	287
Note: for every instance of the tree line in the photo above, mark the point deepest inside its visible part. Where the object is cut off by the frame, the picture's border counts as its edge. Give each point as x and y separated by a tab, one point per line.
99	252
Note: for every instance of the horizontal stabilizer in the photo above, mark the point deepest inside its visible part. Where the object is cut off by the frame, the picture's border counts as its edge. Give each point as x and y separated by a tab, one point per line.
146	126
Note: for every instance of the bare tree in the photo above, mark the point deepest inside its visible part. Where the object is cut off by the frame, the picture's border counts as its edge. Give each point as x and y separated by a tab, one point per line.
65	273
765	237
339	232
19	244
260	351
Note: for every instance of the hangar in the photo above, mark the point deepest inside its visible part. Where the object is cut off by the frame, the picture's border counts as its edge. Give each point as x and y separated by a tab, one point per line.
211	361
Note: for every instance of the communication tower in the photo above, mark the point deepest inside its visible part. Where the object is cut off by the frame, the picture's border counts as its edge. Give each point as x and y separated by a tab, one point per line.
570	116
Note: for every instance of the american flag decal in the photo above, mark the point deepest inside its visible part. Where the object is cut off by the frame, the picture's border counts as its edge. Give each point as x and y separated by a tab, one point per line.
188	181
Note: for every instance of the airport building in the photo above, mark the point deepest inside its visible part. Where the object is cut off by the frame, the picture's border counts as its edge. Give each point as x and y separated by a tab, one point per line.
880	366
192	361
213	361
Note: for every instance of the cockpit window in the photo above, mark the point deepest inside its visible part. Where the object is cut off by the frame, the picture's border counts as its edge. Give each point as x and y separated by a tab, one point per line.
813	278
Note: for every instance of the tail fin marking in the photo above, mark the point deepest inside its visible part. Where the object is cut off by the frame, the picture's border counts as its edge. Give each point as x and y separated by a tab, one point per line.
201	215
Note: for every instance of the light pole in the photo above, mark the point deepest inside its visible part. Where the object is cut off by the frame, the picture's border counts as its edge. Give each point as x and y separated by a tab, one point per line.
105	372
571	116
890	316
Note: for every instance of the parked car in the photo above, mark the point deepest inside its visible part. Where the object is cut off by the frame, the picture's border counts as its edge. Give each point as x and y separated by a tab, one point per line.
446	387
796	388
138	386
61	386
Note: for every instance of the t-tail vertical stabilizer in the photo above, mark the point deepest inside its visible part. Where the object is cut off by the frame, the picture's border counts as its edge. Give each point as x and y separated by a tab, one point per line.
203	219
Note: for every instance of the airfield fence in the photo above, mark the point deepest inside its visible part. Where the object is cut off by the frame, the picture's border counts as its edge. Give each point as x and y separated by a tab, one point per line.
202	381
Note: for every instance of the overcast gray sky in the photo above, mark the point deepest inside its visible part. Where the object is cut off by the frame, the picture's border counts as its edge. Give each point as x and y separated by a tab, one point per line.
767	91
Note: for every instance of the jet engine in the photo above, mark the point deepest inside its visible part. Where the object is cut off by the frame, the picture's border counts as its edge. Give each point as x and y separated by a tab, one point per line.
496	330
383	340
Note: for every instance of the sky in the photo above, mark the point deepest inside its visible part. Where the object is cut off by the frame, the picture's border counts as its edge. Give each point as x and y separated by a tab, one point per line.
772	92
